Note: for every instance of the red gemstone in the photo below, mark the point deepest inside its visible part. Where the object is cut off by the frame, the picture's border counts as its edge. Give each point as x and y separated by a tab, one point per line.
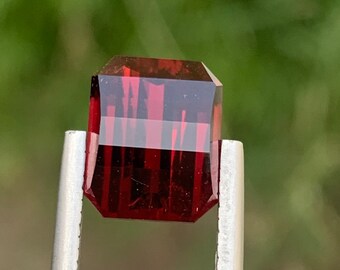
152	146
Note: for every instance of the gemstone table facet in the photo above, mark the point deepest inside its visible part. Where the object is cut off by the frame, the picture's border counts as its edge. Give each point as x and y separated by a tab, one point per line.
153	139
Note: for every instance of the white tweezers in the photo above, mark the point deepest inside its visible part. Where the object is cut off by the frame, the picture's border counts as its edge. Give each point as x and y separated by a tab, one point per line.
229	253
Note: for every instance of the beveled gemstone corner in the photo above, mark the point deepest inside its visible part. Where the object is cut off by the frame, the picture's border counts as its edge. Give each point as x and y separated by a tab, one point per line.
153	139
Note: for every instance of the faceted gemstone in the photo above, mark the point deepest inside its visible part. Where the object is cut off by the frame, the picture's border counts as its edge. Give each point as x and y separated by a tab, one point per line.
153	139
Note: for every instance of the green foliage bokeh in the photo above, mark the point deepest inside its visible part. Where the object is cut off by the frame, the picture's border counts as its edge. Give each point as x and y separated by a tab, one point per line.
279	62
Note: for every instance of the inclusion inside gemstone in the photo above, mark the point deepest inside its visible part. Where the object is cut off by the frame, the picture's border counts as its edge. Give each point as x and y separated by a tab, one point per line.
153	139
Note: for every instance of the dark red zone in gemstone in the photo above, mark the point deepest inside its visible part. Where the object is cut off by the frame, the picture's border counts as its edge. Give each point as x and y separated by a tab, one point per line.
143	185
155	68
156	155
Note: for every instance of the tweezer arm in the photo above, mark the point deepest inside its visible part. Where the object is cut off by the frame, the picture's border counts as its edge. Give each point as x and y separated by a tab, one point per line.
229	254
70	203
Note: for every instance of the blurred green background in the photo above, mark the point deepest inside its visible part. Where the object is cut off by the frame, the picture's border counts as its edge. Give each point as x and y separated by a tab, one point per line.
279	61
